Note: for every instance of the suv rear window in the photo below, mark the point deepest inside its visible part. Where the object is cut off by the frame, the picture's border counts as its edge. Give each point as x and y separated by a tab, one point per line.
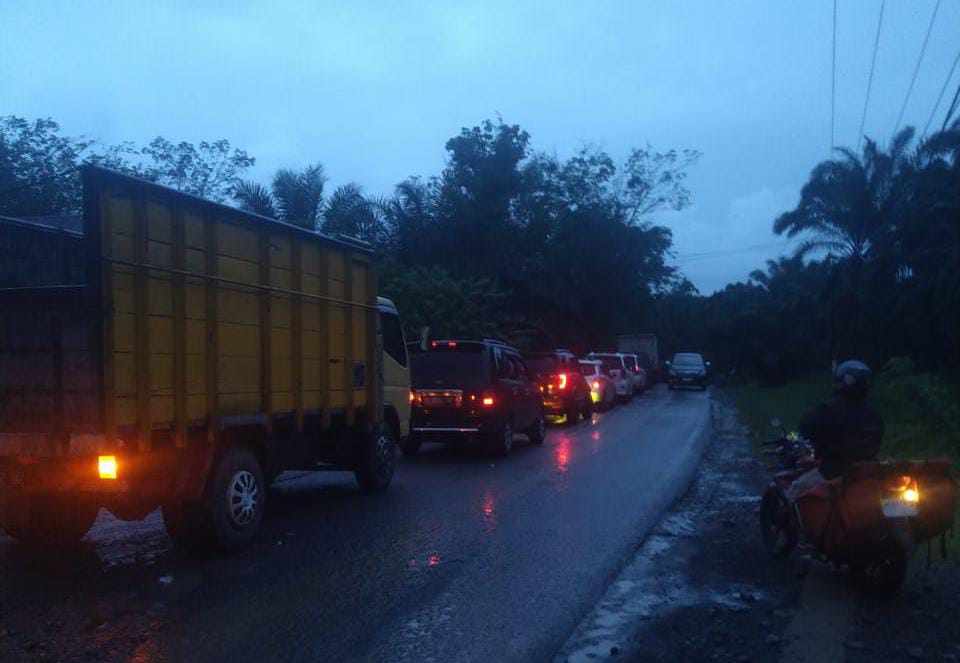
630	361
466	366
541	367
589	370
688	360
610	362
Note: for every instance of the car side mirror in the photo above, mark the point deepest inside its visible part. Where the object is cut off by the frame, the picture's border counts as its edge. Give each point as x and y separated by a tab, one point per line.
667	364
709	364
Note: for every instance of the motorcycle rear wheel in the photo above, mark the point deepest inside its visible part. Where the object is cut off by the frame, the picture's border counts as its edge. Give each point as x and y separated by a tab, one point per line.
776	526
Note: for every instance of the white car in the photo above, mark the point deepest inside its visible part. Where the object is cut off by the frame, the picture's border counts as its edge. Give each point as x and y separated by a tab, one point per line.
636	371
613	365
603	393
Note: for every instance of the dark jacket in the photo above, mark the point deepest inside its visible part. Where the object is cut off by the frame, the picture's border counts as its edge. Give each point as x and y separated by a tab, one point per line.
843	431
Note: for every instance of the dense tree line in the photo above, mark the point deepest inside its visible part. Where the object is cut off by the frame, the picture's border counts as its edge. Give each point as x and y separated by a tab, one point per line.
506	241
876	276
512	242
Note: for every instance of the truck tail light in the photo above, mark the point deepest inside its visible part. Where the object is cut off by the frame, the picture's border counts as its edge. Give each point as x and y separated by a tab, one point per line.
107	467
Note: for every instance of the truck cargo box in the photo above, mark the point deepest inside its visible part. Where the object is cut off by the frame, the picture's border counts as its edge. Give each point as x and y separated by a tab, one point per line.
192	324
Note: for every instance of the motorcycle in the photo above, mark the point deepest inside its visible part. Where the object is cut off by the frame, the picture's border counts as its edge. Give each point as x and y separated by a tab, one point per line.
870	519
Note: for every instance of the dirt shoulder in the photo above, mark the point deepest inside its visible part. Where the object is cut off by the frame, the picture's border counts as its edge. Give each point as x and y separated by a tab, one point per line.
702	587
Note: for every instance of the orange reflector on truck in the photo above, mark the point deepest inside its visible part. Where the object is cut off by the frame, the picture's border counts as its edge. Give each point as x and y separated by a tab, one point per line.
107	466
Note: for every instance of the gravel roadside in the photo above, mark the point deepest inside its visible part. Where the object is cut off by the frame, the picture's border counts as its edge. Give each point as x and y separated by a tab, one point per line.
701	588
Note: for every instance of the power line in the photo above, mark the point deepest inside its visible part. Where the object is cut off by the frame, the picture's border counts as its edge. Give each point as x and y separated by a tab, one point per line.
833	79
940	96
720	253
916	69
873	63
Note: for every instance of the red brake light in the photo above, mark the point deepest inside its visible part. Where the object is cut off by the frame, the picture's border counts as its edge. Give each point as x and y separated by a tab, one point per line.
636	369
488	401
433	344
562	381
452	344
596	385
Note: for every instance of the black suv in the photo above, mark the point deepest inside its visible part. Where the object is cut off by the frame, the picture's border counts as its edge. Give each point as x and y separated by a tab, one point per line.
565	390
472	391
688	369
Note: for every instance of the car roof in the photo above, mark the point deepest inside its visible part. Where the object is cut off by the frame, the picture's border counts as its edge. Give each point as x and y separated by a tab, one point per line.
473	341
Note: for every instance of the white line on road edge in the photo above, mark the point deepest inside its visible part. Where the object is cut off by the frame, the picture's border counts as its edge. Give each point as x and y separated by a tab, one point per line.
627	600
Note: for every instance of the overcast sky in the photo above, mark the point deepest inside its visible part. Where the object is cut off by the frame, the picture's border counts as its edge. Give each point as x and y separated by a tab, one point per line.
374	89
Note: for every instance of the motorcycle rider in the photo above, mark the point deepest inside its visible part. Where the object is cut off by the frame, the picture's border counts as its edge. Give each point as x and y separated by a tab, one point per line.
844	429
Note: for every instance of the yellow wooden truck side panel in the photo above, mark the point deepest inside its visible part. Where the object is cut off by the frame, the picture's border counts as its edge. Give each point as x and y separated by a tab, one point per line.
275	322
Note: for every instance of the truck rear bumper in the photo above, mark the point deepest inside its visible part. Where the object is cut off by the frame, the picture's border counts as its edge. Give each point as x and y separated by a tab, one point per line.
159	474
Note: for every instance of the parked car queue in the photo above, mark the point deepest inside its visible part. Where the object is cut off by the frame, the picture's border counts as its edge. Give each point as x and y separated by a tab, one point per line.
483	392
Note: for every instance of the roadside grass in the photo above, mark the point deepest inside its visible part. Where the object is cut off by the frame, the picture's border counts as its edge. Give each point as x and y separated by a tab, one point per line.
921	413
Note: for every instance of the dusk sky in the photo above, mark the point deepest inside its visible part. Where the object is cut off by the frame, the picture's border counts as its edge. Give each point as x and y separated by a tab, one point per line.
374	89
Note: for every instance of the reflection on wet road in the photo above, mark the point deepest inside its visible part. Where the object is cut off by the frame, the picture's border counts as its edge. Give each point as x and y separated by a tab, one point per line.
465	558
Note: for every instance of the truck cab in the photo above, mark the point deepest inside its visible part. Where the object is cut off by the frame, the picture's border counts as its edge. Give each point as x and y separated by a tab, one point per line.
396	369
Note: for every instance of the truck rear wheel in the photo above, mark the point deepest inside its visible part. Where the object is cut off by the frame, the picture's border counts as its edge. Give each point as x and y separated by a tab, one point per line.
238	497
376	459
49	521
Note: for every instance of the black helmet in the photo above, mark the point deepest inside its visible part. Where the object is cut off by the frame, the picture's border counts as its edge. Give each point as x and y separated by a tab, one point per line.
852	379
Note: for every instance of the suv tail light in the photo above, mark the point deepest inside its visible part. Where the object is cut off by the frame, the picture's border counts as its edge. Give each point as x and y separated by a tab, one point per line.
596	384
488	400
562	381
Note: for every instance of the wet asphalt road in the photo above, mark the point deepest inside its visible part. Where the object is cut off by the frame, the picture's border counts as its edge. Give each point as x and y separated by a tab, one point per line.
465	558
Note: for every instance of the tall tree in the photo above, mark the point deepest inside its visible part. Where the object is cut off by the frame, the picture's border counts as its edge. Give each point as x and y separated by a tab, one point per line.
38	168
848	204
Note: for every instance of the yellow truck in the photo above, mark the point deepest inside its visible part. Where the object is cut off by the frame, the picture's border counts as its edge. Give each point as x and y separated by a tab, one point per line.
205	351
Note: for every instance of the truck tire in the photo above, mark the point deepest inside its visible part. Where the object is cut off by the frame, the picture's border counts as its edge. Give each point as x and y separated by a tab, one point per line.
411	446
538	431
235	499
49	521
376	459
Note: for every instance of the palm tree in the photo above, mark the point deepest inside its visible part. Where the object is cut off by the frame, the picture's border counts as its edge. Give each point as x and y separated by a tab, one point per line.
849	204
350	212
294	196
